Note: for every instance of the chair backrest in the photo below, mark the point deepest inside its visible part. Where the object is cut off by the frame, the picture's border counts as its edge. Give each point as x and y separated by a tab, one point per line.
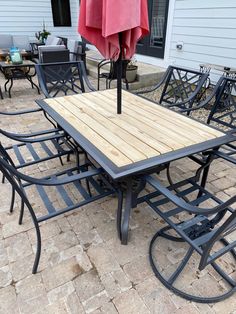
52	41
180	84
42	49
9	171
223	111
53	56
6	41
77	50
62	78
21	42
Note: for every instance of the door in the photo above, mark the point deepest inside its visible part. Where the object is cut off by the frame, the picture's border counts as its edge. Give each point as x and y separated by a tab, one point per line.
154	43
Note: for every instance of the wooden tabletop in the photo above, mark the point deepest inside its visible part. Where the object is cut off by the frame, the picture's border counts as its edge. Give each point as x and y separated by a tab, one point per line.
143	131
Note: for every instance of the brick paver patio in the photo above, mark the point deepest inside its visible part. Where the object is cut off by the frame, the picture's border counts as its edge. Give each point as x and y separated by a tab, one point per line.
83	267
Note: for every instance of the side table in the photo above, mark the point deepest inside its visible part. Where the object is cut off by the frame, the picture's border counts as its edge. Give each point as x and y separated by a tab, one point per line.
13	72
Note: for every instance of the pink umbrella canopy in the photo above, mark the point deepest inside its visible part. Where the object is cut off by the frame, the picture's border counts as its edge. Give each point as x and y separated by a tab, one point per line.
101	22
114	27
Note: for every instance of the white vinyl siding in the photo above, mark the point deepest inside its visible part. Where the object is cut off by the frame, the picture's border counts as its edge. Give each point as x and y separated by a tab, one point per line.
26	17
207	29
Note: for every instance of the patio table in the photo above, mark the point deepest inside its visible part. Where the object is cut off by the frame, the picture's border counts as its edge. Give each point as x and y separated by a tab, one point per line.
143	138
13	72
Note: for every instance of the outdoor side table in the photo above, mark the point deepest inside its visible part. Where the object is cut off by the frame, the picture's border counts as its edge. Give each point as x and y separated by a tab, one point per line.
227	71
17	71
6	52
129	145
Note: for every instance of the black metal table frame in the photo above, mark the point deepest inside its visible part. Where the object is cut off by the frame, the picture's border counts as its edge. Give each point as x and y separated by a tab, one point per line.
128	174
15	72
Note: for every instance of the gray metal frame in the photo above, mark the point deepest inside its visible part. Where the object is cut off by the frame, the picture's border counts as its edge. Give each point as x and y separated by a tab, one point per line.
128	174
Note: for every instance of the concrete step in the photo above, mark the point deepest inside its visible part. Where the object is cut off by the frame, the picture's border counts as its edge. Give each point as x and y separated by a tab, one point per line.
147	75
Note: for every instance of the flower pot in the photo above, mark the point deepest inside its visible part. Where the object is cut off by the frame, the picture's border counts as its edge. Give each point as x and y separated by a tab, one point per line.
131	73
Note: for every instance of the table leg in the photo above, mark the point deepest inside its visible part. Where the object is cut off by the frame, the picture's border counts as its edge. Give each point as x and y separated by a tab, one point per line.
133	187
11	84
29	78
127	211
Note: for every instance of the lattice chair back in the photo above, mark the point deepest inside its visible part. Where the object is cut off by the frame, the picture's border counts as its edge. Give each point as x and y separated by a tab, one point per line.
62	78
180	88
223	111
181	85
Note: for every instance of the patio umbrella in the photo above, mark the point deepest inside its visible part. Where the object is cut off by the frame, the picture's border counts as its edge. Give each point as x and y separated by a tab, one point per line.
114	27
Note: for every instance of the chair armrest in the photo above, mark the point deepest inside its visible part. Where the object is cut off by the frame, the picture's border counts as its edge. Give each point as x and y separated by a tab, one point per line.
184	205
50	181
33	134
27	138
163	79
205	102
16	113
85	77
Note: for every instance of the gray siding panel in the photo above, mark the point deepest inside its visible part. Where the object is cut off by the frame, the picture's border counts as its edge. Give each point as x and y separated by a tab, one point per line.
207	29
26	17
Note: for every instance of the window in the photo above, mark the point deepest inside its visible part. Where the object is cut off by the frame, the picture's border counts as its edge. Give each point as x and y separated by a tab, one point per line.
61	12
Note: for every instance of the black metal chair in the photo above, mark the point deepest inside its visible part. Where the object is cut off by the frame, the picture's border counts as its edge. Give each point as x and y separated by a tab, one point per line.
205	225
181	87
63	77
34	148
75	178
112	74
223	112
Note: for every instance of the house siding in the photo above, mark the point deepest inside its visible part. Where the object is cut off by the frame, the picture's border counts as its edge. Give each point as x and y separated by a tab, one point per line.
26	17
207	30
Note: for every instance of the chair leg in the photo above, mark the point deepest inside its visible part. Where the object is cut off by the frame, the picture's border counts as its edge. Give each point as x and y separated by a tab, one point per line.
119	213
169	280
38	251
12	199
21	212
127	84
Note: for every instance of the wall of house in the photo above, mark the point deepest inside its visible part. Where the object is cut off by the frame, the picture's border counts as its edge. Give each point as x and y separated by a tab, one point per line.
207	29
25	17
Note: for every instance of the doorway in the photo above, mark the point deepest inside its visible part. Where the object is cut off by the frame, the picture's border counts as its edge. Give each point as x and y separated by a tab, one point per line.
154	43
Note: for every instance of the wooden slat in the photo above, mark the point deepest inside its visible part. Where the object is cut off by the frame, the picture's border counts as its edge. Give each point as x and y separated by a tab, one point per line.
127	123
142	131
111	152
91	109
110	137
173	116
172	135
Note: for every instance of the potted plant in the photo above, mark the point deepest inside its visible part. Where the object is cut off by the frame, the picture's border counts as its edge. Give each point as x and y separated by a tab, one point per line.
131	71
42	36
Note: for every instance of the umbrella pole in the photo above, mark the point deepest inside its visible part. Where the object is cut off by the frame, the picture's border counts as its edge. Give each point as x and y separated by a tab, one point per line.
119	77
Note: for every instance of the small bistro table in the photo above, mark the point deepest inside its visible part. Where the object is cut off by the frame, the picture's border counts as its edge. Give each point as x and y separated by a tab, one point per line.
13	72
141	139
